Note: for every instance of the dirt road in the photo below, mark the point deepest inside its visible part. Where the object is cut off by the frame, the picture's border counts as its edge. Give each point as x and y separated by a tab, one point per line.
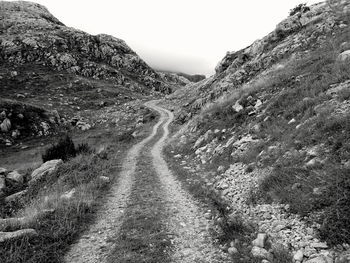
148	217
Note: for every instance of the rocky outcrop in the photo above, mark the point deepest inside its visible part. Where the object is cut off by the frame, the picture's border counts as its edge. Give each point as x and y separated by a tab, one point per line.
20	120
30	34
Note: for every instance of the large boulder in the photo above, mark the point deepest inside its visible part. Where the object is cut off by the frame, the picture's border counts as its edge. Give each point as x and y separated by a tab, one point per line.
44	170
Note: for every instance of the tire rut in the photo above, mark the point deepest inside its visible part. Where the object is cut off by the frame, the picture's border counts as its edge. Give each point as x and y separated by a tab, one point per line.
95	245
148	217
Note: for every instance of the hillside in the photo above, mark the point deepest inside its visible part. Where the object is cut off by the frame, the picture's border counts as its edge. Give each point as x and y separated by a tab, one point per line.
31	35
268	136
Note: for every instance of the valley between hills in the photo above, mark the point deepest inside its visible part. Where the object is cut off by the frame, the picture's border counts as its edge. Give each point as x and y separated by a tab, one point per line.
105	159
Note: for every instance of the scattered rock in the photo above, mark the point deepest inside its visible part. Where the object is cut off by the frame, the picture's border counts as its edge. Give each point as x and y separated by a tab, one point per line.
12	236
232	251
12	224
104	180
83	126
13	73
344	55
44	170
262	253
17	197
237	107
319	245
258	104
221	168
3	171
292	121
5	126
69	194
260	240
299	255
15	134
2	185
313	163
320	259
16	176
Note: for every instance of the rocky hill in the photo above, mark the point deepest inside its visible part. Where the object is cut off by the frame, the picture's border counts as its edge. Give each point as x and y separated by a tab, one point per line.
30	34
269	135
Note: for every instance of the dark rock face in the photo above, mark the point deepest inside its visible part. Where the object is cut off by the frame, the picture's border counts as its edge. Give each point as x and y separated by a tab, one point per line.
30	34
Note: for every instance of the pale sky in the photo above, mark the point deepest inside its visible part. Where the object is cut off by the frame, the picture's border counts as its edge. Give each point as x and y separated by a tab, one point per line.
191	36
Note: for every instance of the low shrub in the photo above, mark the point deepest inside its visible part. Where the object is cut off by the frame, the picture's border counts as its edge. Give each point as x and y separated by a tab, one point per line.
65	149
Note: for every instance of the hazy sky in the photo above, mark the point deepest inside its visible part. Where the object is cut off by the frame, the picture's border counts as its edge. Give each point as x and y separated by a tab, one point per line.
191	36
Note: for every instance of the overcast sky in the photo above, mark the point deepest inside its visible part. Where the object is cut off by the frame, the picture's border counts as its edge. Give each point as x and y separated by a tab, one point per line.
191	36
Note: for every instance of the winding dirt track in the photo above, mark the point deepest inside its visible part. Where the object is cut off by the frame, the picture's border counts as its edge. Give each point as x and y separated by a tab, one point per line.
183	221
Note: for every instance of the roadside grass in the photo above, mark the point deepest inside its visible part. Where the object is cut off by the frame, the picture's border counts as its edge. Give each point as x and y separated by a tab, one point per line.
73	192
71	215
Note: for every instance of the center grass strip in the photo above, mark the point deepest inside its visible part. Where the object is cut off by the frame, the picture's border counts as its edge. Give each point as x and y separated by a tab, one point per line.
143	236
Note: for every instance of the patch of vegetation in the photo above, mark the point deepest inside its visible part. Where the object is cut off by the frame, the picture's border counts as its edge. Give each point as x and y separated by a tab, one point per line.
65	150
